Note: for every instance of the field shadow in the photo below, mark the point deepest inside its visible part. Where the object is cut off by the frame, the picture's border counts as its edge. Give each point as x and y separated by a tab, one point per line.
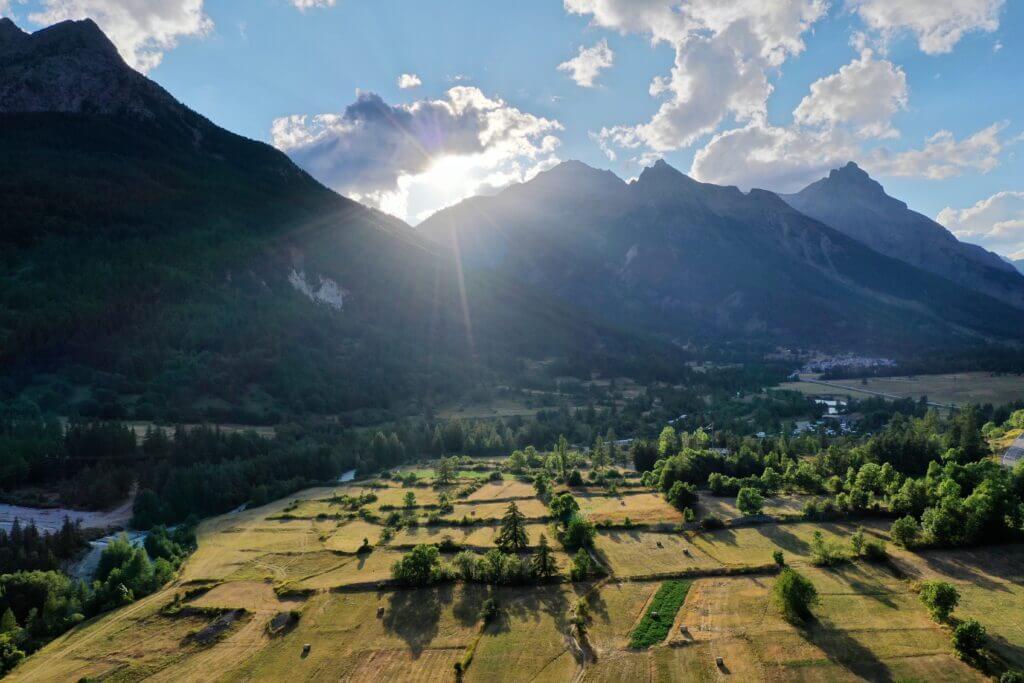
958	569
845	651
414	615
784	538
1011	652
725	536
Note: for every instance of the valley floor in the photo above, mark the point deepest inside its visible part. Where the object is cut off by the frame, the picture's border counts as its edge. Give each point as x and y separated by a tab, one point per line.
267	582
948	389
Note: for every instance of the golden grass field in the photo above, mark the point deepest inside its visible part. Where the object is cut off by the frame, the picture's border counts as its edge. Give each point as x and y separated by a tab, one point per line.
869	623
956	388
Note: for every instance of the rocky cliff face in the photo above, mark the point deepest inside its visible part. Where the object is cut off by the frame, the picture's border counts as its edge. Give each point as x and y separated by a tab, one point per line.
72	67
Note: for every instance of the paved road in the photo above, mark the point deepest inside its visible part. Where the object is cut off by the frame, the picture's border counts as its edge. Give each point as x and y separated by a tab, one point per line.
1015	453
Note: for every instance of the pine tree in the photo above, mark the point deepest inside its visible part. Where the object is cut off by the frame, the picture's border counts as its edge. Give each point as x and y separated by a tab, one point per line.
512	537
543	561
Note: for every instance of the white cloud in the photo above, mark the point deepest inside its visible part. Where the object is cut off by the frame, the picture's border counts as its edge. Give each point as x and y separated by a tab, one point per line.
785	159
776	158
586	66
724	49
5	8
414	158
865	94
943	156
406	81
938	26
143	30
304	5
996	223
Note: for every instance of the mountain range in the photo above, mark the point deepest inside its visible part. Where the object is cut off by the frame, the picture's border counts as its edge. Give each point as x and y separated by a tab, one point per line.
685	258
153	264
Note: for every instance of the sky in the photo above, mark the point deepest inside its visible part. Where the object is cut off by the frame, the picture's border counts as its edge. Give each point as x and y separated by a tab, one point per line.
413	105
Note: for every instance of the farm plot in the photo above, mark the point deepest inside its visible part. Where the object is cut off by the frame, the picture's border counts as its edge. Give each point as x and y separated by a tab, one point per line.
648	508
881	635
480	535
632	553
507	488
749	545
349	536
724	507
991	585
531	507
420	633
528	639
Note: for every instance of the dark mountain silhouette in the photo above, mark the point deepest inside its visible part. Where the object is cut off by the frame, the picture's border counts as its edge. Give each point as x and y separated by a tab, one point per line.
689	259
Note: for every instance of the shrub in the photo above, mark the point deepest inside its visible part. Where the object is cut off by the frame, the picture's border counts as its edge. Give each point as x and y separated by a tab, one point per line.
968	637
448	545
824	553
582	566
794	595
711	523
905	532
749	501
940	598
874	551
779	558
1012	677
488	610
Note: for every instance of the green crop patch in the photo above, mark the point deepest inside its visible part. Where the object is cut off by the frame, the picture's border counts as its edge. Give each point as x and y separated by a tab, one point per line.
658	619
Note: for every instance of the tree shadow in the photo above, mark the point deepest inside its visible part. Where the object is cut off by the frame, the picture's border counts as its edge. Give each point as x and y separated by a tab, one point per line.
845	651
466	609
615	534
413	615
593	596
862	584
541	600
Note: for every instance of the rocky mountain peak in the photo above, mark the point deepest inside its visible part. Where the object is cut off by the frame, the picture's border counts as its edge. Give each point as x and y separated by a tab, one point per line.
72	67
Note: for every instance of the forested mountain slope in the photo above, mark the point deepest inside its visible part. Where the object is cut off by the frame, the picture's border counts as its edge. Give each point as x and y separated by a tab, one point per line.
153	264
